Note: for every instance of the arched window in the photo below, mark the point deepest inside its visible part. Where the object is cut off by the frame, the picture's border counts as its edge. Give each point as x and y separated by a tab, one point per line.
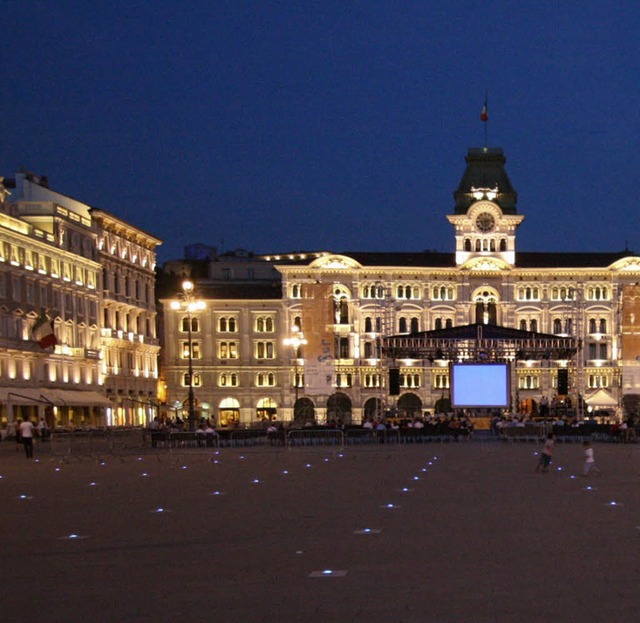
467	244
438	324
557	325
195	325
503	244
197	380
523	325
533	325
414	325
402	325
368	325
603	325
592	325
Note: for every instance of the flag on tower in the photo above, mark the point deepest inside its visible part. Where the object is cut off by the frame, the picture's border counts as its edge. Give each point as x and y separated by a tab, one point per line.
43	332
484	115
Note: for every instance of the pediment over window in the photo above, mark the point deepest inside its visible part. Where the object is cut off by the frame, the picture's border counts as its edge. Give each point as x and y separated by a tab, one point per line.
631	264
336	262
484	264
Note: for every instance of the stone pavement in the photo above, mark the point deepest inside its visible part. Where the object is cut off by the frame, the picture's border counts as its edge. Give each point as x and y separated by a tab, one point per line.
424	533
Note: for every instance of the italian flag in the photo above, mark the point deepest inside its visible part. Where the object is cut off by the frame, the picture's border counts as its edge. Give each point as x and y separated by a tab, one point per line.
43	332
484	115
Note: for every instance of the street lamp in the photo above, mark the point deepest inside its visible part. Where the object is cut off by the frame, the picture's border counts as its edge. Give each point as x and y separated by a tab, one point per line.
189	304
296	340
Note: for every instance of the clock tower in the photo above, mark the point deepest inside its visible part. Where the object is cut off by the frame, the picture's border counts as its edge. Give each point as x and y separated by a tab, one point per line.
485	217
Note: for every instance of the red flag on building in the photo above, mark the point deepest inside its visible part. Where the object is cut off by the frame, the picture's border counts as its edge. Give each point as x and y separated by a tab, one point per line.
43	332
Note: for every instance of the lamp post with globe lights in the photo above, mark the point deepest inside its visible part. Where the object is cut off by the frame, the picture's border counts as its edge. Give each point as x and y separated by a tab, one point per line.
190	304
295	340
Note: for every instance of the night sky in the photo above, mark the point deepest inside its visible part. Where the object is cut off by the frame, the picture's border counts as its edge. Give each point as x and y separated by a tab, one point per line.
329	125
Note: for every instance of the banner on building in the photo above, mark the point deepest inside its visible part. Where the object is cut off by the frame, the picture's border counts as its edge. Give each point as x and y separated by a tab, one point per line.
317	319
630	322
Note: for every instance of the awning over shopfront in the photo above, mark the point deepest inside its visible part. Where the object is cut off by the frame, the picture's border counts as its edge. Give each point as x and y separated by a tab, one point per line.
21	396
54	397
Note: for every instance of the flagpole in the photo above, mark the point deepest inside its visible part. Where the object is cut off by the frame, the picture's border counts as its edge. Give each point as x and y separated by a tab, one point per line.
484	117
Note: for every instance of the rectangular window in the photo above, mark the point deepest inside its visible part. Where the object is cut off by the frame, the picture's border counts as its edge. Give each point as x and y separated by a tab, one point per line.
603	351
228	350
265	350
196	351
15	288
31	292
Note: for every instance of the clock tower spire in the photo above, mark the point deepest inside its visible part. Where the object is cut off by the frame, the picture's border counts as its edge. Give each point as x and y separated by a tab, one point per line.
485	216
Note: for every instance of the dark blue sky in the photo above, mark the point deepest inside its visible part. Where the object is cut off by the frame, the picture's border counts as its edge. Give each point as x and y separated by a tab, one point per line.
275	126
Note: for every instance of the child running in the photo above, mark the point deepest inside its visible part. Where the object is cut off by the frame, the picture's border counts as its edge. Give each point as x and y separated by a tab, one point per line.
545	455
590	466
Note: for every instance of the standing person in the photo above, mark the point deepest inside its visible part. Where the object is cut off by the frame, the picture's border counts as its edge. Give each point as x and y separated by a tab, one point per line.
589	460
16	427
546	454
26	434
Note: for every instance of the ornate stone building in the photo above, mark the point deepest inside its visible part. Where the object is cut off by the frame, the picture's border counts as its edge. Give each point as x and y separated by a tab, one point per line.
129	344
54	252
345	302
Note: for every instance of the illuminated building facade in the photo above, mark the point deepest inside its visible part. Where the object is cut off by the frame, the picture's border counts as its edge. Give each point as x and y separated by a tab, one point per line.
344	302
52	261
129	345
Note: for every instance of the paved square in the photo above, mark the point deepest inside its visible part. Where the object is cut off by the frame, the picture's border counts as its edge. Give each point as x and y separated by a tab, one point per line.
424	533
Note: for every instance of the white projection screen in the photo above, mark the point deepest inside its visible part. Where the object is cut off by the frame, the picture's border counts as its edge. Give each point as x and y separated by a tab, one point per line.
479	385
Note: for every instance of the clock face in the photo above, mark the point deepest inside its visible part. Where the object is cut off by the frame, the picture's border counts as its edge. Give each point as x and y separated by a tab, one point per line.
485	222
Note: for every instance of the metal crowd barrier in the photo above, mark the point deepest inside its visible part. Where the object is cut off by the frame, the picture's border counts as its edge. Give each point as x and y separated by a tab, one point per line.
184	441
315	437
367	436
92	443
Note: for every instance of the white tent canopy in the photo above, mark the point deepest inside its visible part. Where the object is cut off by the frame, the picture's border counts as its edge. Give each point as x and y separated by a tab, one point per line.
601	398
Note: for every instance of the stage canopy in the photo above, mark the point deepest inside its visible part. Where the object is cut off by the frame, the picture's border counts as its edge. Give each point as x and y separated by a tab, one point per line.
479	342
